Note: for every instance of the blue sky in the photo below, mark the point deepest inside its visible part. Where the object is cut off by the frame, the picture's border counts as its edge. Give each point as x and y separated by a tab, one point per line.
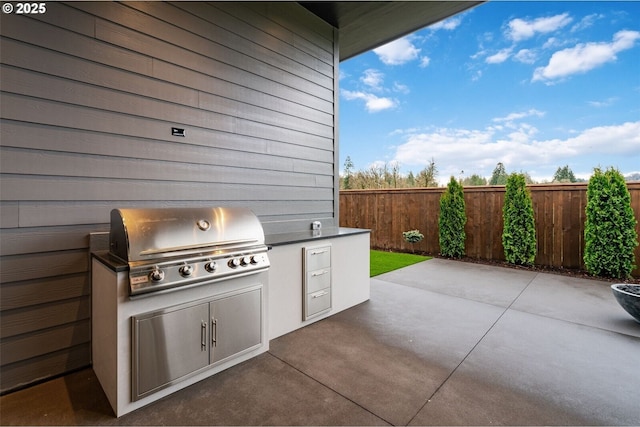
534	85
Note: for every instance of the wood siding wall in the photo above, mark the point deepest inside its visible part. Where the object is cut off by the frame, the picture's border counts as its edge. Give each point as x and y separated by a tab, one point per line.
90	92
559	212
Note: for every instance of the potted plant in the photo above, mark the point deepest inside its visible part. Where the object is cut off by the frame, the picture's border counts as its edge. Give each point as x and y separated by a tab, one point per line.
628	296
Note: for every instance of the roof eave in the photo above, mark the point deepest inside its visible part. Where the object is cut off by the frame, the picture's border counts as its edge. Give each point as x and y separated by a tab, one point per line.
365	25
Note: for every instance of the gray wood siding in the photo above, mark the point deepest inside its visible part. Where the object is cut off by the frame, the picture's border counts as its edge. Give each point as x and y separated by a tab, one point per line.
89	93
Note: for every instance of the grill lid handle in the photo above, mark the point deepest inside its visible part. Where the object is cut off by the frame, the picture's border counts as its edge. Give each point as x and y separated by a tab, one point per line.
196	247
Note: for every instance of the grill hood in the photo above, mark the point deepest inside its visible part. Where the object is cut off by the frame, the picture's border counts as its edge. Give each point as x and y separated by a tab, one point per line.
139	235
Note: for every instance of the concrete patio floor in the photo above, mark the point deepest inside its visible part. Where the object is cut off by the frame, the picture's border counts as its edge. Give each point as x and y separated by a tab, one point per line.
439	343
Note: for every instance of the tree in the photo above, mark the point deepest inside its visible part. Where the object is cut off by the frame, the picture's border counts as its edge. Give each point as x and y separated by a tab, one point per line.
499	175
411	180
395	174
452	220
474	180
427	176
527	178
564	174
348	167
374	176
610	228
519	230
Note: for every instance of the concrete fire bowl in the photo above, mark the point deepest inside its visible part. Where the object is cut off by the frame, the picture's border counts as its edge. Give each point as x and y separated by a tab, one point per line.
628	296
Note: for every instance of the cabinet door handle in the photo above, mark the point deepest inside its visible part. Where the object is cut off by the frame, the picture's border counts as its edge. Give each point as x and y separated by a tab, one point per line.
203	336
319	252
319	273
214	332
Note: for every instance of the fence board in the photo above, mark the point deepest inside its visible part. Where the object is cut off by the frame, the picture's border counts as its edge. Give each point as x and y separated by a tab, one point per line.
559	213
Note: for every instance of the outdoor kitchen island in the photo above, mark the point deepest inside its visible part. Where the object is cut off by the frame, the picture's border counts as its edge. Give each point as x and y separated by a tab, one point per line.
163	323
303	290
180	295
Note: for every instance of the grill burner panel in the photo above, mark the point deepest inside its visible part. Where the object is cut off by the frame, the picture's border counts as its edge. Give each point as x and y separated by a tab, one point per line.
195	271
169	248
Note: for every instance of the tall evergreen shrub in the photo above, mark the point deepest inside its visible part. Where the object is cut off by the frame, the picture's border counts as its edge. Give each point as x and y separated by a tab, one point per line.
610	229
452	220
519	230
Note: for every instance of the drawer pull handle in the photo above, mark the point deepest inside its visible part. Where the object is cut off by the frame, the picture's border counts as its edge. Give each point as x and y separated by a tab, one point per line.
319	273
319	294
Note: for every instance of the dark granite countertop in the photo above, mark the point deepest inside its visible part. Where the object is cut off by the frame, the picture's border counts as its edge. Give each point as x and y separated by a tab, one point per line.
117	265
308	235
114	263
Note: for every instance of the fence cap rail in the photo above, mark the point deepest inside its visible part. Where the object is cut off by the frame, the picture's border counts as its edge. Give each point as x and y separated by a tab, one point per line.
556	186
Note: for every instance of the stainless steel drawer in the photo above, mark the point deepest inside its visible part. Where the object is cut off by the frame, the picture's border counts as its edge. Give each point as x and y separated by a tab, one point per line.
318	302
318	279
317	258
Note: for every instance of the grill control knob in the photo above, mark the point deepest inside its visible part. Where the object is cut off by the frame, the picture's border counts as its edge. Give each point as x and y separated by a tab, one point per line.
254	259
211	266
186	270
156	275
245	261
234	262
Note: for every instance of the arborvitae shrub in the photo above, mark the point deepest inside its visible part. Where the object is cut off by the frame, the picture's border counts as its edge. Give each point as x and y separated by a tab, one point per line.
610	229
452	220
519	231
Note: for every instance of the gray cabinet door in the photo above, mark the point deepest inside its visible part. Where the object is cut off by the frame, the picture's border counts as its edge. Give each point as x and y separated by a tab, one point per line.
236	324
168	345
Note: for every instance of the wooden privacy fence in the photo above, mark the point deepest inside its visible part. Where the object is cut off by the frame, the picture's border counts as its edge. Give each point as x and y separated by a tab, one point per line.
559	211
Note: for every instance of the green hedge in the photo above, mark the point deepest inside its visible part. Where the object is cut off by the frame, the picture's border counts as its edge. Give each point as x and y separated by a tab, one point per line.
519	230
610	228
452	220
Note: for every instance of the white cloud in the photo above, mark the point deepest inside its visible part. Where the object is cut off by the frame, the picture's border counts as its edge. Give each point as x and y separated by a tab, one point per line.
478	151
448	24
397	52
586	22
478	54
424	61
606	103
551	43
517	116
526	56
519	29
585	57
372	78
373	103
621	139
399	87
499	57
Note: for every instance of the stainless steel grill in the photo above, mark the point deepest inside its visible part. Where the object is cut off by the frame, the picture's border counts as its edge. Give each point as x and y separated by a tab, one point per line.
171	248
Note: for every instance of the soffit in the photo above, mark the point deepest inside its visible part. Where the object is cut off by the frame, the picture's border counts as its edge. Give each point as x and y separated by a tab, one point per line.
365	25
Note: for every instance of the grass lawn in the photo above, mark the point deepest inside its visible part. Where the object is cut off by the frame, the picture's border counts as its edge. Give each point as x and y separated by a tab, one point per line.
383	262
